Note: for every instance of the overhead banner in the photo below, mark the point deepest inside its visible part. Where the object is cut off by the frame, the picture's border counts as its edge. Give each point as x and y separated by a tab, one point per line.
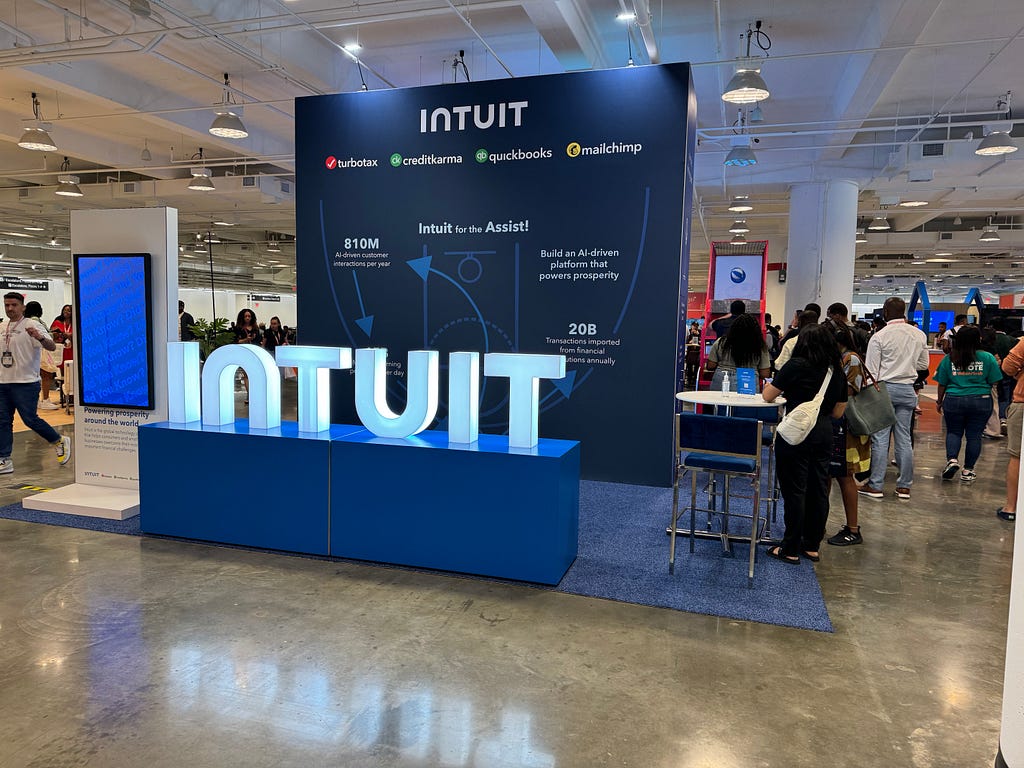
545	215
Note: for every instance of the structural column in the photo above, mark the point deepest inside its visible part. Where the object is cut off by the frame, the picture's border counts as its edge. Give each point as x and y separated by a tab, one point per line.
822	230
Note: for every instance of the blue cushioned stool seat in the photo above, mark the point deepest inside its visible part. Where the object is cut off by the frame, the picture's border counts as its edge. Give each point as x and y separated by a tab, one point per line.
717	463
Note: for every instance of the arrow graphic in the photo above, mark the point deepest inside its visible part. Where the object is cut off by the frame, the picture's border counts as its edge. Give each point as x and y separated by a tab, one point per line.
639	259
366	321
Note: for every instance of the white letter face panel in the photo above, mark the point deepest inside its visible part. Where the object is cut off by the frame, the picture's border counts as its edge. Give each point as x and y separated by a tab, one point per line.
524	373
371	393
463	397
182	382
219	386
314	364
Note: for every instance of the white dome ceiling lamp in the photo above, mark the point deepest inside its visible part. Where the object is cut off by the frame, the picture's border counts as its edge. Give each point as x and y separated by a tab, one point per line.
747	86
997	139
36	135
67	184
879	224
228	123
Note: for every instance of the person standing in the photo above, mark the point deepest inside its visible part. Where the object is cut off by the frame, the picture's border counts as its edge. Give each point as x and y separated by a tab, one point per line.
721	325
895	354
49	361
21	340
742	347
247	331
185	323
803	469
965	378
65	326
1012	365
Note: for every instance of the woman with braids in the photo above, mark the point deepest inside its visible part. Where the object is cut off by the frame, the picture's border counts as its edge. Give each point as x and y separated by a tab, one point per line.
965	378
742	347
803	469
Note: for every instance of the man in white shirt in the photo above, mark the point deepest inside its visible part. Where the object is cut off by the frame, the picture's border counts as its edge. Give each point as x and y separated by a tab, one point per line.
20	342
895	354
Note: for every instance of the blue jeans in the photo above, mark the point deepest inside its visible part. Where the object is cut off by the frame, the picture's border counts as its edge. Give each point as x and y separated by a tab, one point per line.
904	401
23	399
965	414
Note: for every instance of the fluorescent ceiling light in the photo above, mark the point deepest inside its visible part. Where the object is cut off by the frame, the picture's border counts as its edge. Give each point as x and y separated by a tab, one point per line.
16	234
917	262
913	203
626	16
879	224
224	223
33	228
996	143
352	47
939	261
740	204
746	86
740	157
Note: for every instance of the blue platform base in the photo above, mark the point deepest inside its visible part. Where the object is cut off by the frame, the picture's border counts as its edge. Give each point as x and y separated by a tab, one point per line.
233	485
479	509
482	509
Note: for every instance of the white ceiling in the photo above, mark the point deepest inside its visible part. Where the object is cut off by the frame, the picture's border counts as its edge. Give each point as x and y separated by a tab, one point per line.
857	90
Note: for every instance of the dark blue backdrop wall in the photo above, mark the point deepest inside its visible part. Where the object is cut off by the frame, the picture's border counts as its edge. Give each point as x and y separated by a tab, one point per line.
543	214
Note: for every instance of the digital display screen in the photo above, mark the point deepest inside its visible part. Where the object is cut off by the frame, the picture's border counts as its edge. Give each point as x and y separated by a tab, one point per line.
738	277
937	316
113	315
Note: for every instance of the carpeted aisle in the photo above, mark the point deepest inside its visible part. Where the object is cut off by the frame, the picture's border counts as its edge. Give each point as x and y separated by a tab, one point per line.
623	555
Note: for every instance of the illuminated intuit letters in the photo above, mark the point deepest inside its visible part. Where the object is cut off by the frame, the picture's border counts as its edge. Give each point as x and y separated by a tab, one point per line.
314	364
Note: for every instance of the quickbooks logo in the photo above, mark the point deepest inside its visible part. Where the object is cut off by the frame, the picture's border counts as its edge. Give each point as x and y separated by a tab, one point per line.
483	156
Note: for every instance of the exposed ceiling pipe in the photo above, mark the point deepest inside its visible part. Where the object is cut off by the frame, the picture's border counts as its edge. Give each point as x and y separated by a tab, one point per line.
642	8
17	33
472	29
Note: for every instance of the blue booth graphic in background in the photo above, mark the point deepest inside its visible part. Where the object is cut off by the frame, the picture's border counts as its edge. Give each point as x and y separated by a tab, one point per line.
544	215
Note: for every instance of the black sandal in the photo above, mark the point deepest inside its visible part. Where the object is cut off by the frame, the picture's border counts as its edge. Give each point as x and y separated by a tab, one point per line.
776	552
812	558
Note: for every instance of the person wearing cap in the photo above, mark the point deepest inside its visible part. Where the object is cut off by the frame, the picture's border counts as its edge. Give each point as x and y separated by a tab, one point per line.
21	340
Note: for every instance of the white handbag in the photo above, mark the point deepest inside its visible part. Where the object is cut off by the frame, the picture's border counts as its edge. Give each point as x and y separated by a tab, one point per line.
798	423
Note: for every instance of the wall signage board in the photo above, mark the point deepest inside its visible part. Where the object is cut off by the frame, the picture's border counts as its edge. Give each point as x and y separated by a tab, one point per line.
17	284
545	215
264	297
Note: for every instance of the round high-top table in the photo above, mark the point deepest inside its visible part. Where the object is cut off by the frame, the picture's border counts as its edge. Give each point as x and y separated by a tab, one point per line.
728	401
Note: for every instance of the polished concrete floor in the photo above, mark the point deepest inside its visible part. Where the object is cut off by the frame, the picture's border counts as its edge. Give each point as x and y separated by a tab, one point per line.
125	651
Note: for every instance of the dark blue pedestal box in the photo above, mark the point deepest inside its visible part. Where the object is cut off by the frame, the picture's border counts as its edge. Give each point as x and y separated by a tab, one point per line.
481	509
233	485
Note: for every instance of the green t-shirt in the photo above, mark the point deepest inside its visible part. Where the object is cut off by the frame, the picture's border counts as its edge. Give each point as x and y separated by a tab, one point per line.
976	380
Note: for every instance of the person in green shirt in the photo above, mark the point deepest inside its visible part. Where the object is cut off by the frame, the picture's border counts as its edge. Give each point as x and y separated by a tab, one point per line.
965	378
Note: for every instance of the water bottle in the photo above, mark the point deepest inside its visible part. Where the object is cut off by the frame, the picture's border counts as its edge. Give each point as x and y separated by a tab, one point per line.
725	382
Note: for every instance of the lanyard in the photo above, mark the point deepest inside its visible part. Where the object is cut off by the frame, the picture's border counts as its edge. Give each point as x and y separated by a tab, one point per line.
7	334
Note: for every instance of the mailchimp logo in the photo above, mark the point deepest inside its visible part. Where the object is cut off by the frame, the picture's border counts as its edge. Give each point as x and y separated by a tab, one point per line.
737	275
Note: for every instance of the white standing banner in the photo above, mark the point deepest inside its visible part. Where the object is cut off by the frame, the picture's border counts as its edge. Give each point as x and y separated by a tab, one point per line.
106	439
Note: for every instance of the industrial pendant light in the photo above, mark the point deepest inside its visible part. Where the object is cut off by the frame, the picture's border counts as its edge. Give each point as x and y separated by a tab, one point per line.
202	177
740	157
740	204
67	184
990	234
739	227
747	86
36	134
996	143
861	237
228	124
879	224
738	240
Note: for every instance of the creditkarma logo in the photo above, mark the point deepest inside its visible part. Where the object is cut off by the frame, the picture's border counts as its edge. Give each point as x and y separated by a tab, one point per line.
334	163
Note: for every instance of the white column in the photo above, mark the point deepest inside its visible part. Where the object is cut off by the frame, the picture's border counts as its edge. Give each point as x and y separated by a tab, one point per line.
1011	739
822	229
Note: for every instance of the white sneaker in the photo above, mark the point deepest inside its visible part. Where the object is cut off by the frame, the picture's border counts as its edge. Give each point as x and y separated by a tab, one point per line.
46	405
6	466
63	449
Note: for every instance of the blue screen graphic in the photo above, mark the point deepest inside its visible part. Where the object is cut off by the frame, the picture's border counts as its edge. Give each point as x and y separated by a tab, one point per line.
937	316
112	304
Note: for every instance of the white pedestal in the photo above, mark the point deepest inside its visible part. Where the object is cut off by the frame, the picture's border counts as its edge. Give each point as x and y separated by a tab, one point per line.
88	500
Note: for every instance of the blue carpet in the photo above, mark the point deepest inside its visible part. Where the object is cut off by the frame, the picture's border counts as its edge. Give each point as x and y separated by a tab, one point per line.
623	556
